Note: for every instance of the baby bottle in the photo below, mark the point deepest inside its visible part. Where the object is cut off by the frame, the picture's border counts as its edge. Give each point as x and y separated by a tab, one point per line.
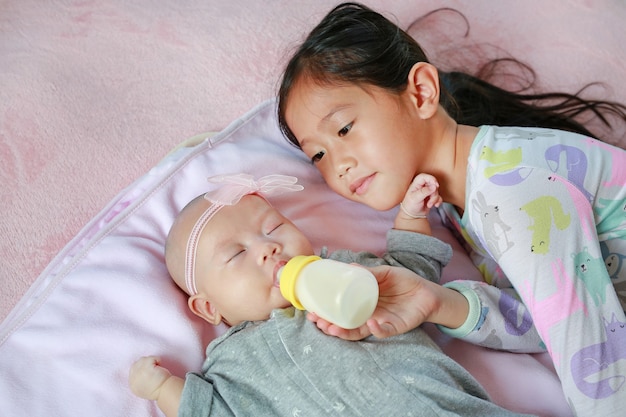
343	294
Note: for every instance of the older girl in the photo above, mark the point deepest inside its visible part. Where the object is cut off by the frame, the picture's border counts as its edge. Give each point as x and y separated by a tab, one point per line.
541	203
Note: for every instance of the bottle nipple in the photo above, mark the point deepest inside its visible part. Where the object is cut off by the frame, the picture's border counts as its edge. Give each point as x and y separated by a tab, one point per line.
278	274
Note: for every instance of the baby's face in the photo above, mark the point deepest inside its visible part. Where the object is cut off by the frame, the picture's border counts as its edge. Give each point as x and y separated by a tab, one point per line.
240	251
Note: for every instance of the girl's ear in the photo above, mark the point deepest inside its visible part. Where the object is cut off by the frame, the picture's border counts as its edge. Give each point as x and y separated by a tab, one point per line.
423	87
203	308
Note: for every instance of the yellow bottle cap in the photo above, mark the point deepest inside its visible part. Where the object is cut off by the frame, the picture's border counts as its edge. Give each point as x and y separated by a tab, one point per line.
288	277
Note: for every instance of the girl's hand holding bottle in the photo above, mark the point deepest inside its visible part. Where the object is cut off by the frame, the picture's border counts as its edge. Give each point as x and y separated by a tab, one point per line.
405	301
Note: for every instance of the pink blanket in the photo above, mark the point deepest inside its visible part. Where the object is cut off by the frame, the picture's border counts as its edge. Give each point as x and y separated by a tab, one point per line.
95	93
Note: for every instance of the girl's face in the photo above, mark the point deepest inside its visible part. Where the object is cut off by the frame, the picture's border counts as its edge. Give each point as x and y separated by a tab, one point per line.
240	252
361	139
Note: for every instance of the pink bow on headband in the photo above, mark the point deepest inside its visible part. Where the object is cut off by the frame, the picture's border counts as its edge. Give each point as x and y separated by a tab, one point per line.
237	185
234	187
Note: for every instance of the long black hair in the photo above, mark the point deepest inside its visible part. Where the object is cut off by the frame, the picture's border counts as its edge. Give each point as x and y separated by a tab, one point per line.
355	44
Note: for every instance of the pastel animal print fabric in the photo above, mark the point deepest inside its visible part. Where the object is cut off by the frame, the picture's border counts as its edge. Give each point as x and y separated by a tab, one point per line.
545	222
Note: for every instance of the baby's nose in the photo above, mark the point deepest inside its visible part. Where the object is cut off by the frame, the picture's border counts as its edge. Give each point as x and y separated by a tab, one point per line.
269	250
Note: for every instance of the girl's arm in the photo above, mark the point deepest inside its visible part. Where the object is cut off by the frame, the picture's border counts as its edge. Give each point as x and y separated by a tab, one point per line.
149	380
407	300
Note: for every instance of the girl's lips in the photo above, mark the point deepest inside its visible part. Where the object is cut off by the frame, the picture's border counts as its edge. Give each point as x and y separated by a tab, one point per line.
361	185
278	265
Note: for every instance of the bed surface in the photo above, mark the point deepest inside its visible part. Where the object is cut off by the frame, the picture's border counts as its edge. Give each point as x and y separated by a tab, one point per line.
94	94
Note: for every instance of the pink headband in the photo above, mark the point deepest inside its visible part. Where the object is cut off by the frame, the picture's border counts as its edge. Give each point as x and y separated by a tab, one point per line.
234	187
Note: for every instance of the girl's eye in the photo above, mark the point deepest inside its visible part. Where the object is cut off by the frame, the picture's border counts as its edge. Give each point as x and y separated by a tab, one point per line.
273	229
344	131
318	157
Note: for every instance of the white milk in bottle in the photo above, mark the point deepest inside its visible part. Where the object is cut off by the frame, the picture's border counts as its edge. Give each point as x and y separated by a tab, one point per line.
341	293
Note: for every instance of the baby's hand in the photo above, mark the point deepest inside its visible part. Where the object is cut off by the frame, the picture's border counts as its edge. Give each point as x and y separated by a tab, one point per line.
147	377
422	195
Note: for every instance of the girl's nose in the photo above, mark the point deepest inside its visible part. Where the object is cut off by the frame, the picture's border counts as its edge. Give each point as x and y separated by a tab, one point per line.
343	169
344	165
341	157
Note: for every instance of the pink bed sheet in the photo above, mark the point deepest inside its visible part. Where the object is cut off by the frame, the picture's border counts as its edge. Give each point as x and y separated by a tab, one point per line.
94	93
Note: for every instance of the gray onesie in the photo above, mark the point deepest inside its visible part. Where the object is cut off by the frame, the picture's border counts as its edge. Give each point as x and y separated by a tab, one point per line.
285	366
